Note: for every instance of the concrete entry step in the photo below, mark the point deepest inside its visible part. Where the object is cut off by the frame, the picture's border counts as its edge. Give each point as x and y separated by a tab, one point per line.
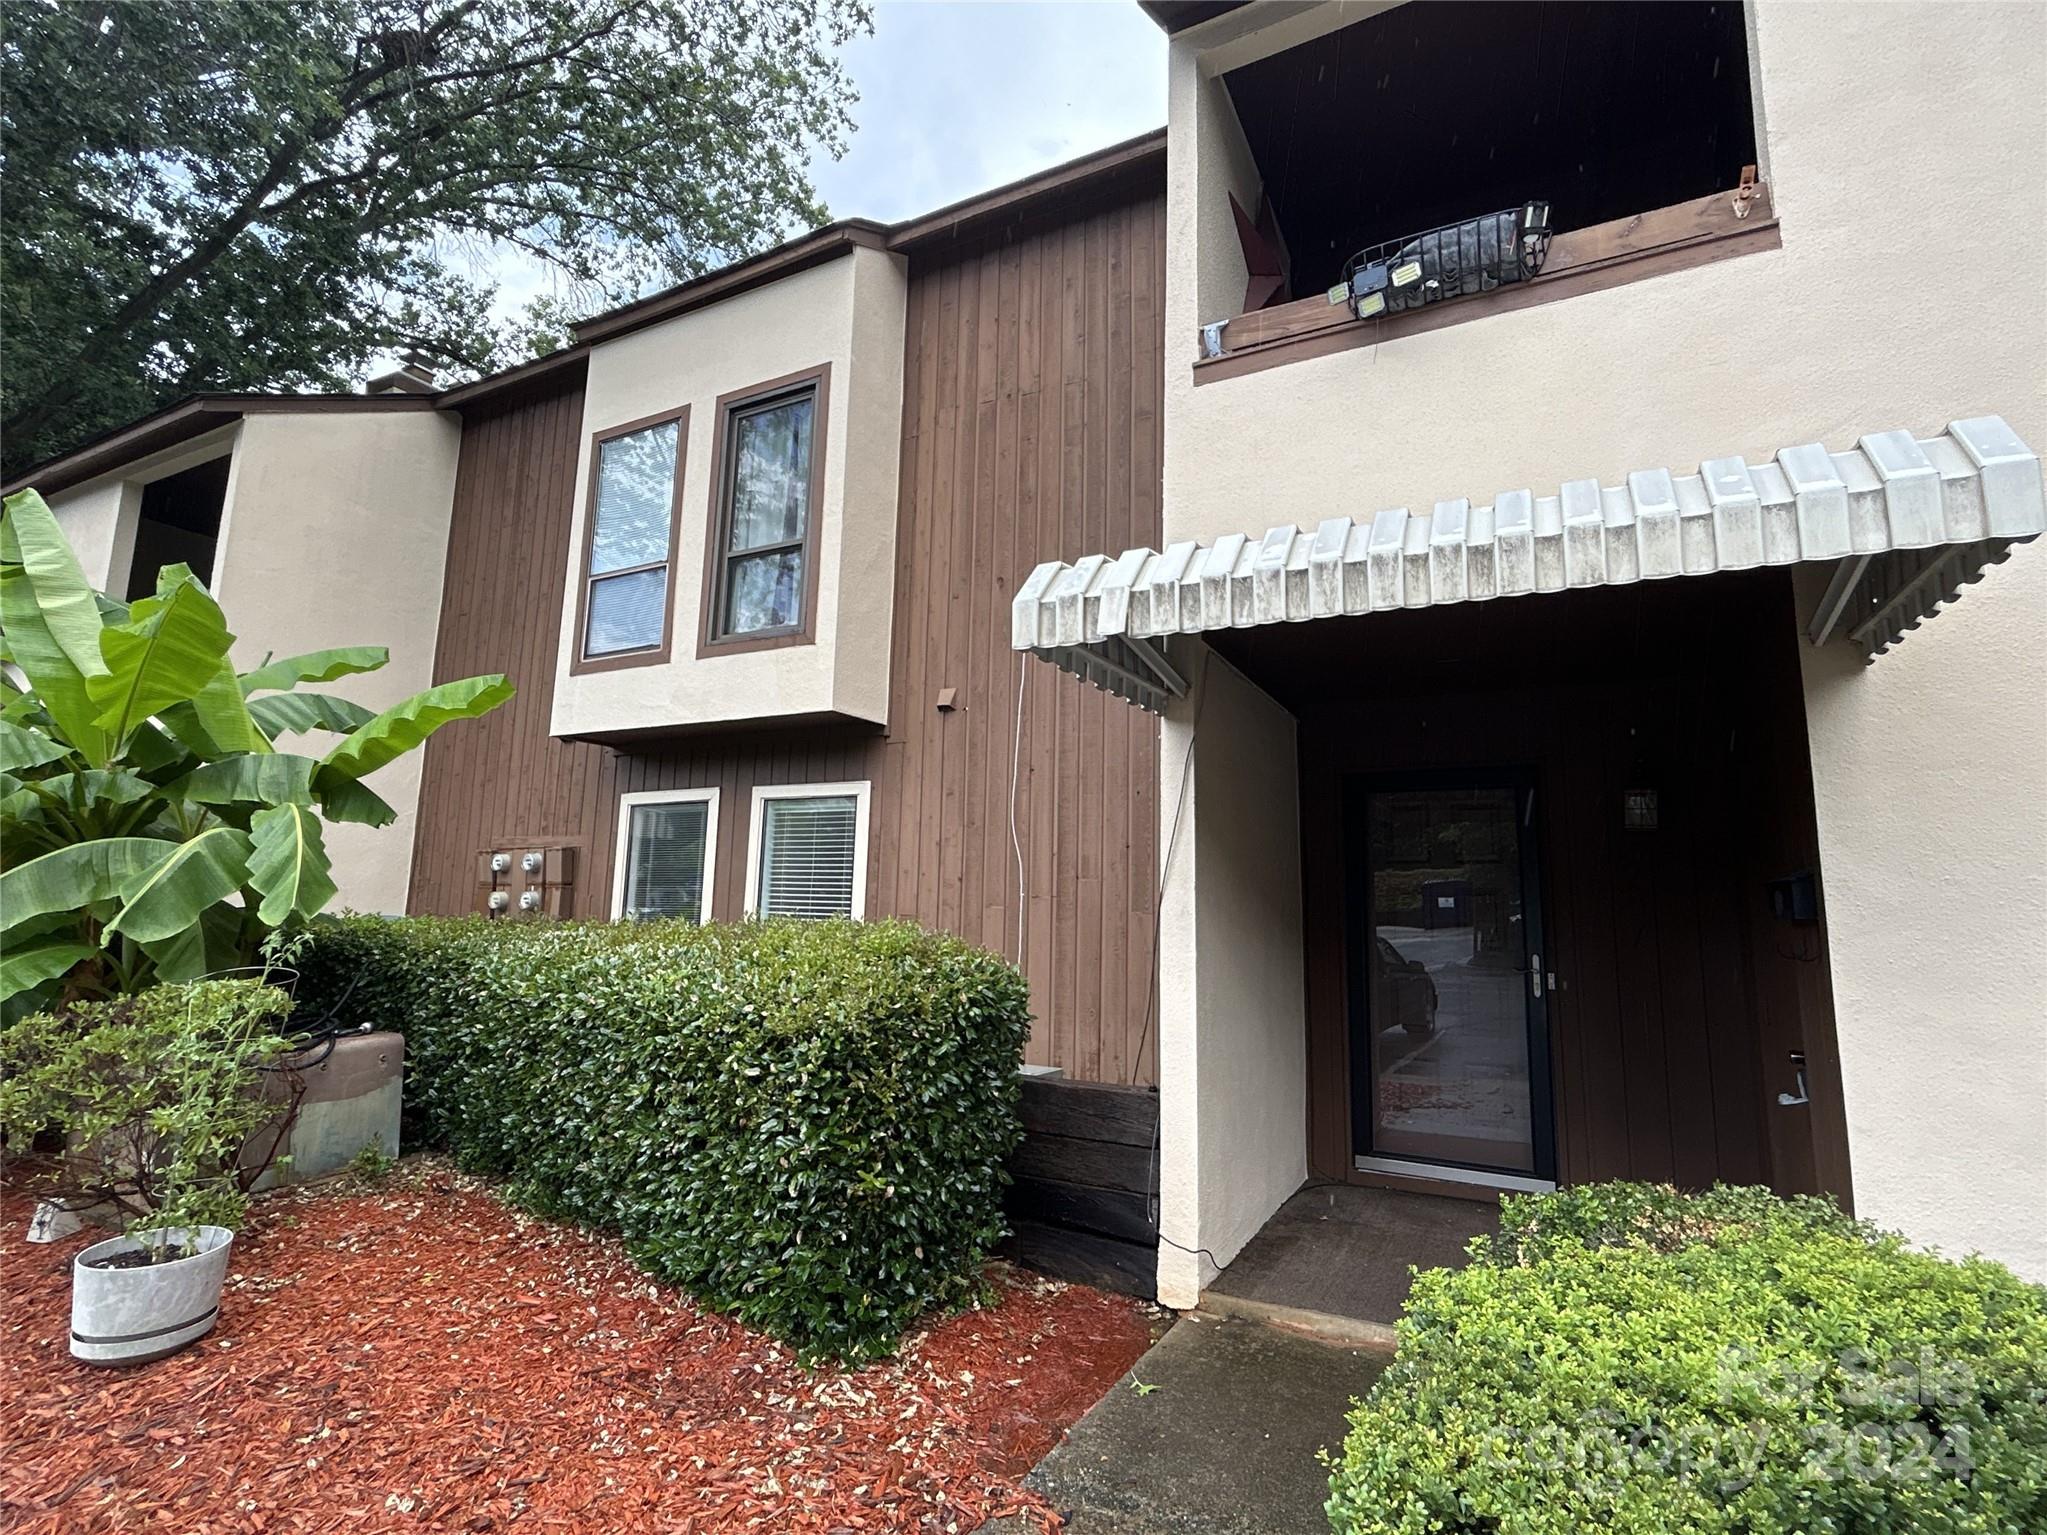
1320	1326
1225	1444
1344	1250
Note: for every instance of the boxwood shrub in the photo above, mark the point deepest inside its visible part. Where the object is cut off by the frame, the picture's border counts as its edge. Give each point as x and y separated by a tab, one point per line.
1632	1359
802	1123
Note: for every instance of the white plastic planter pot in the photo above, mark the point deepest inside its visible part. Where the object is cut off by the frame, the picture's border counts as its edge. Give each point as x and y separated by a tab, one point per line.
134	1315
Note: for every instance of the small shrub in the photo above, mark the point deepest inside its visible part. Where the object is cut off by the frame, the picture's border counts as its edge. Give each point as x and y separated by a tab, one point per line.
1633	1359
804	1124
157	1094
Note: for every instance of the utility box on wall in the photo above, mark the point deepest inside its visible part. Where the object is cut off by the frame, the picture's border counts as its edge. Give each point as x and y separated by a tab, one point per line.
527	881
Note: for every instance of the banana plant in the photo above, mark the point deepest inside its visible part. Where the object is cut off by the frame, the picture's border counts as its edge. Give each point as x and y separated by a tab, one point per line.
150	827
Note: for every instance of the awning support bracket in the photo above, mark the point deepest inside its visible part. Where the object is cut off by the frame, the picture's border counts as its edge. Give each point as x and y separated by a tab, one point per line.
1827	617
1153	654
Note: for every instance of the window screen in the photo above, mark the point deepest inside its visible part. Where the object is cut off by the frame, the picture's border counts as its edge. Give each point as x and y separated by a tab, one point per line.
665	861
767	516
629	537
807	856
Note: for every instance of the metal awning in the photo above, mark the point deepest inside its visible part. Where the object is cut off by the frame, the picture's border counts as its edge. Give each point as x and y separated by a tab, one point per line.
1909	520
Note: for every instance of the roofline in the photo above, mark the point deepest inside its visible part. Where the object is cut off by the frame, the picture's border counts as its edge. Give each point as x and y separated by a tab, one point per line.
1177	16
1027	194
970	217
537	370
193	416
807	250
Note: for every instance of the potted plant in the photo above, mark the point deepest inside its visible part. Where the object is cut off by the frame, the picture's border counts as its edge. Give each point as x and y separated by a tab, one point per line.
156	1095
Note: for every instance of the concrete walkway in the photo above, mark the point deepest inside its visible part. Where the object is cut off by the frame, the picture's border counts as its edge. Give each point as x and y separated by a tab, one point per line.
1226	1444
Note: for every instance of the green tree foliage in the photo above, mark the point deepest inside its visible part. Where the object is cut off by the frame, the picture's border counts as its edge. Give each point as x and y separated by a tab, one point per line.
806	1124
159	1095
243	194
149	828
1629	1358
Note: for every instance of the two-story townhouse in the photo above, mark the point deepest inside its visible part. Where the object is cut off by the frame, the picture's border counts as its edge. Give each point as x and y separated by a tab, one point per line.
1492	738
1560	777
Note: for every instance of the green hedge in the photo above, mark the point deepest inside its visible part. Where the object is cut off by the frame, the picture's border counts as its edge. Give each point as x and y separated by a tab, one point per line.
1631	1359
804	1124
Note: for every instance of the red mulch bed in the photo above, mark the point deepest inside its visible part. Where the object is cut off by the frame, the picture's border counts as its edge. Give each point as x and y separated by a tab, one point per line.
419	1356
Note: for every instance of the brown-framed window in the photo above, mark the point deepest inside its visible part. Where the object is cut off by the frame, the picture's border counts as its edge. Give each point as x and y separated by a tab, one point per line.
760	582
626	595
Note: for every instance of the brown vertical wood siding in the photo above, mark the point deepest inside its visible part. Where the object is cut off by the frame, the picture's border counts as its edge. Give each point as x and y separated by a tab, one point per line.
1031	431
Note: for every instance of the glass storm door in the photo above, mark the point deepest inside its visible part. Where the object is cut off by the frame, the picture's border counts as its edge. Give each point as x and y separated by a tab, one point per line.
1448	992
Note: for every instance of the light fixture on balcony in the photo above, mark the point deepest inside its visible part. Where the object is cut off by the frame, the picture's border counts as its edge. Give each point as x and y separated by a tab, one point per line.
1475	256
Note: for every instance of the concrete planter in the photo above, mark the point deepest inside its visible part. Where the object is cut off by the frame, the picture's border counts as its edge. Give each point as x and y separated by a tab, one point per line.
134	1315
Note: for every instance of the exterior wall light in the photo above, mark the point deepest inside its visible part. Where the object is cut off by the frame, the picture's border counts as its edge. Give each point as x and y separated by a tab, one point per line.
1475	256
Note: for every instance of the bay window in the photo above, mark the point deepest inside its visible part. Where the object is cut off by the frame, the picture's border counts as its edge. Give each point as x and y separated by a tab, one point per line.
760	584
629	542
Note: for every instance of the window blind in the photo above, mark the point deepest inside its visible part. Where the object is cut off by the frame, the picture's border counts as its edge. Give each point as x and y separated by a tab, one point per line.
807	853
665	861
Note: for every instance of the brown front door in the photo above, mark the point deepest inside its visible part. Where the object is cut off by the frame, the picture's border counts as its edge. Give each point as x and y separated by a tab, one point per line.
1448	981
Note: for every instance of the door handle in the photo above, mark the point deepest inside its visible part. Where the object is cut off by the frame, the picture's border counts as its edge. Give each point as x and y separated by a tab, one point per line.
1535	974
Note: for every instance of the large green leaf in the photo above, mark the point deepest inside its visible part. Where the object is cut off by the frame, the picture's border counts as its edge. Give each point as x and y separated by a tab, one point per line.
93	792
168	897
288	866
25	966
404	726
216	722
275	778
65	600
181	956
315	666
209	944
169	650
73	878
279	714
152	751
51	620
21	747
349	799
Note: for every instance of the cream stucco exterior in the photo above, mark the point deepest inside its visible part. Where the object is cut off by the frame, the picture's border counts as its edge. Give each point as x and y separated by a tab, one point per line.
334	531
1232	1012
1930	780
1929	768
849	313
98	516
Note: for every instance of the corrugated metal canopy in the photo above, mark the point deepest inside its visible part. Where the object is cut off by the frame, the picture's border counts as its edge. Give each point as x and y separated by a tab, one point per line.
1909	521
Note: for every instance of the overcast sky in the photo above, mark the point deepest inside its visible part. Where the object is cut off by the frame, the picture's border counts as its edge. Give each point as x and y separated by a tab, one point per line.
958	96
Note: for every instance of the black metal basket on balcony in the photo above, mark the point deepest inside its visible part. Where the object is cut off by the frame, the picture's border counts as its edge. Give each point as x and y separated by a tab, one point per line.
1474	256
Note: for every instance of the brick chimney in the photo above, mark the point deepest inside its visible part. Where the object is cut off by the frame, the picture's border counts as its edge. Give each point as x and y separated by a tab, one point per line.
409	377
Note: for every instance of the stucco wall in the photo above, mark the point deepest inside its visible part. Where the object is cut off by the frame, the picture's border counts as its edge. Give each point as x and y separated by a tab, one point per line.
1929	767
99	515
849	313
1930	781
1828	337
99	519
336	533
1232	1019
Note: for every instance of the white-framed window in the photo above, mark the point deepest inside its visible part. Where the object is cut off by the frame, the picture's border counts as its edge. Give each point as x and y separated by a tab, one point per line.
667	854
807	851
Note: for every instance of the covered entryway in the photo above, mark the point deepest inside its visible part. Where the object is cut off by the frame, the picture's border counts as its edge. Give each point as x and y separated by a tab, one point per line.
1466	895
1561	893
